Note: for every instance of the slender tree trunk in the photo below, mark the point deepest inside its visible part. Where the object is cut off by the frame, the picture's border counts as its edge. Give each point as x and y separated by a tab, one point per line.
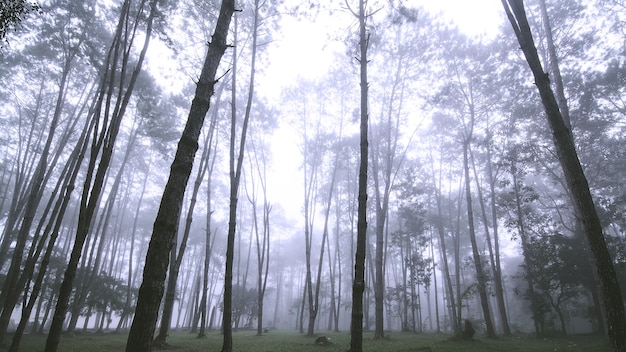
133	233
62	204
480	273
235	176
444	255
166	223
102	233
170	294
575	177
10	289
432	255
358	286
208	245
339	267
497	279
496	239
279	290
104	147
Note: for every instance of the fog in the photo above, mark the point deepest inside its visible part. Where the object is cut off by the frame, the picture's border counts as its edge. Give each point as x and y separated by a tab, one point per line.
470	216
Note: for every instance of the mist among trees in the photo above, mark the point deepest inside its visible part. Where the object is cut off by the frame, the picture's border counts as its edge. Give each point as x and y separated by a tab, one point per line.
351	166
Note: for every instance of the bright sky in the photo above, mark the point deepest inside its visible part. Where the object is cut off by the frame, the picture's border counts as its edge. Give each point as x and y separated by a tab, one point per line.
474	17
304	50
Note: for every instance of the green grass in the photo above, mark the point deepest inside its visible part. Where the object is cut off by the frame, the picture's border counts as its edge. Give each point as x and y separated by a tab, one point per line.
283	341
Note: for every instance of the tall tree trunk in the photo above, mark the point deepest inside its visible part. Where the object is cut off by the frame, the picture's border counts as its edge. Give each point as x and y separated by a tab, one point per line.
208	245
480	273
575	177
235	176
133	234
496	240
10	289
310	181
84	285
166	223
358	286
53	228
103	145
451	302
559	91
339	267
170	293
497	279
432	255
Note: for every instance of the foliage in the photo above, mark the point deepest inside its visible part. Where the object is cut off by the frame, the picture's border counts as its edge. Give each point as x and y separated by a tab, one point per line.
245	305
12	13
107	294
557	270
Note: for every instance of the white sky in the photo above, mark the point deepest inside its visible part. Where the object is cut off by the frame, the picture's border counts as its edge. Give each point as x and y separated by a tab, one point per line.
474	17
304	50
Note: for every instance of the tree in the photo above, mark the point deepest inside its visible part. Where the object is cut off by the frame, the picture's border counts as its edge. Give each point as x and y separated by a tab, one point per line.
235	167
557	271
358	285
166	222
71	45
259	162
101	152
522	218
575	177
208	244
466	97
177	256
12	13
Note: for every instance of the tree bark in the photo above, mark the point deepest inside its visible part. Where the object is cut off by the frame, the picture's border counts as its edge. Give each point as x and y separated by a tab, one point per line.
103	145
166	223
235	176
170	294
497	278
575	177
480	273
358	286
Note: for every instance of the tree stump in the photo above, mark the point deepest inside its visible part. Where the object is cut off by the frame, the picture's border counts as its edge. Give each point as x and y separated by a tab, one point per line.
323	341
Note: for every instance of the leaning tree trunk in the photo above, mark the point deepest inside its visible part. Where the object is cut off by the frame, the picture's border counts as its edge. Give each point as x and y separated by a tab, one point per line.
592	281
172	280
53	229
103	147
166	223
11	289
575	177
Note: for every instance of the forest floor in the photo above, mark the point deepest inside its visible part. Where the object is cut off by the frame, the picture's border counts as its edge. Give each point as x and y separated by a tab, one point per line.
283	341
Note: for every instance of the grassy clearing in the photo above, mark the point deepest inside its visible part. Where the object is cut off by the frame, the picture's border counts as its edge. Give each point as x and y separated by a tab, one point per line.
283	341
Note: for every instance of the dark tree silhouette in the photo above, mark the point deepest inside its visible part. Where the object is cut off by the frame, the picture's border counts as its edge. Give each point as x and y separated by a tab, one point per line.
166	223
12	13
575	177
358	286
